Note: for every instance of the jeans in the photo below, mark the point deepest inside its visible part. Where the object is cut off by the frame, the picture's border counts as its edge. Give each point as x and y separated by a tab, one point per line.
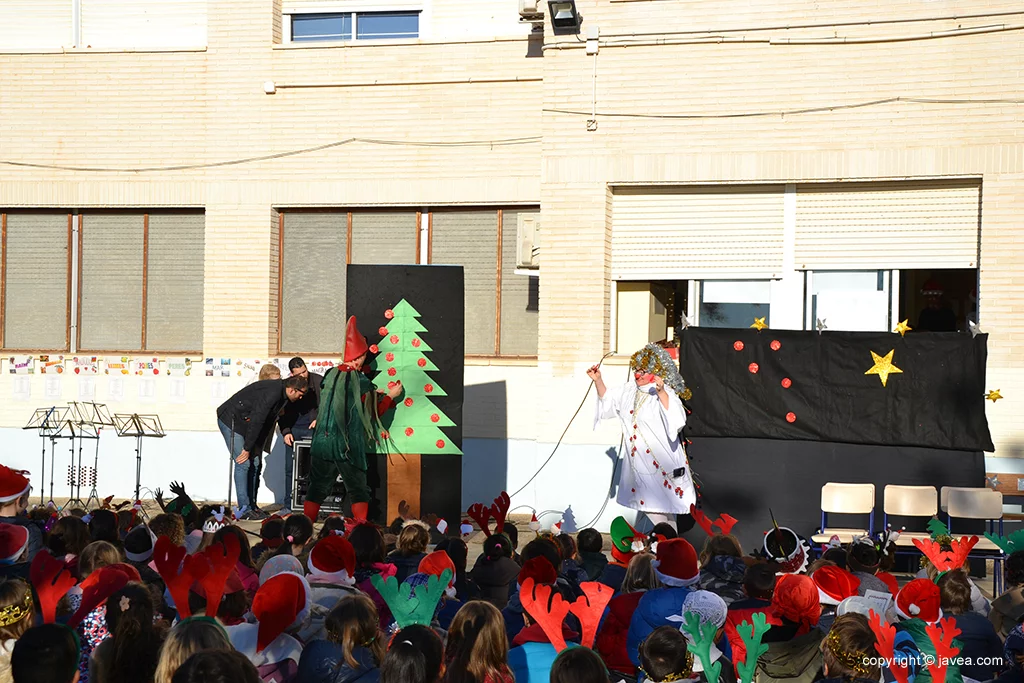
246	474
298	433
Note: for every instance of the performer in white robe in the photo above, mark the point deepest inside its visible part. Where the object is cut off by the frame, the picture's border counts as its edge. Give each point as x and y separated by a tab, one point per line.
655	477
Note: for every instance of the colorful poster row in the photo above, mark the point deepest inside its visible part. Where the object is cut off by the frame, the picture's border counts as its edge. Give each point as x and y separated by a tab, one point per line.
152	366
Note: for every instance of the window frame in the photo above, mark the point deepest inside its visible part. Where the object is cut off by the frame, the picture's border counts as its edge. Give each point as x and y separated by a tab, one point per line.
424	257
145	286
3	287
415	9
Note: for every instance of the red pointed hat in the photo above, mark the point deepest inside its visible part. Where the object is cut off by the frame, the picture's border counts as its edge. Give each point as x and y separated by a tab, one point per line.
13	541
834	585
334	558
677	563
279	603
920	599
435	563
13	484
355	342
540	570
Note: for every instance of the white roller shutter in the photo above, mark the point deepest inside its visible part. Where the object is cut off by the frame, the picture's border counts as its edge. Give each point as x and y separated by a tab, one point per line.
144	23
678	233
900	224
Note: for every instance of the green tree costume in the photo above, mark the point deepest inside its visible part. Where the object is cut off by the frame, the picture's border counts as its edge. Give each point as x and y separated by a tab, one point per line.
347	427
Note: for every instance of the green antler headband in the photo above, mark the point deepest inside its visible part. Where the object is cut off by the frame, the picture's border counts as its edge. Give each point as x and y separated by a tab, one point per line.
408	606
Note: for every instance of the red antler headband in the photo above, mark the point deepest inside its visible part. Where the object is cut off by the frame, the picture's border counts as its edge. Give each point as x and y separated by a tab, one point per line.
945	560
179	571
221	558
549	609
52	580
724	522
498	510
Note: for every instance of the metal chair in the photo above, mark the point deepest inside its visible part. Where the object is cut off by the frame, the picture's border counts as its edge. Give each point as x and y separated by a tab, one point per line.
846	499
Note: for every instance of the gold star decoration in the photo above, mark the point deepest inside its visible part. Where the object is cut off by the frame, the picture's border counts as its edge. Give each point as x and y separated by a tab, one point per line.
883	366
903	328
993	396
760	324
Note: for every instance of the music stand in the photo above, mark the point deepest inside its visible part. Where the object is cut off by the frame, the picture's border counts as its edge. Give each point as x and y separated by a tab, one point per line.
82	420
47	421
99	417
140	427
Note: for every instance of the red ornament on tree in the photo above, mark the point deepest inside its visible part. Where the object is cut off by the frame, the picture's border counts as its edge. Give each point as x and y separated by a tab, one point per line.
786	383
394	339
408	431
389	314
416	343
435	418
382	331
408	402
753	367
776	345
392	372
374	348
440	443
389	356
422	362
429	388
791	417
738	345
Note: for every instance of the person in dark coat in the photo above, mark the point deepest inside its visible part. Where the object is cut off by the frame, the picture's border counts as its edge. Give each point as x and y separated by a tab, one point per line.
722	568
298	422
246	420
590	546
980	642
353	649
495	571
412	548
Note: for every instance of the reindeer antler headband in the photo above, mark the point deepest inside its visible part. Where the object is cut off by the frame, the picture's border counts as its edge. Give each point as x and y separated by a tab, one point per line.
549	609
724	522
498	510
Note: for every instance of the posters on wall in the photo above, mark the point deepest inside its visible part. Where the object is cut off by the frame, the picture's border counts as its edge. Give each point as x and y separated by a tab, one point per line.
85	365
146	367
147	390
178	367
248	368
115	389
218	367
52	388
21	365
86	389
21	389
117	366
177	390
51	365
218	392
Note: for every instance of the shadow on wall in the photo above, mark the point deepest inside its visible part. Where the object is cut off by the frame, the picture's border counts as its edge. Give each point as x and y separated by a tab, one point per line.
485	442
273	471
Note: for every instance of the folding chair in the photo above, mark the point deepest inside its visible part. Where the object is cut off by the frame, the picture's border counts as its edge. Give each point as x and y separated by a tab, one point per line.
846	499
910	501
984	504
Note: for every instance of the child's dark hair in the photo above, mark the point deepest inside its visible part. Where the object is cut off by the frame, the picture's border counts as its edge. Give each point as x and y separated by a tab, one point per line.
566	546
354	623
217	666
589	541
512	531
245	550
955	589
104	527
68	536
759	581
136	641
331	524
125	522
863	557
541	547
664	654
298	530
837	555
368	543
496	547
46	654
233	606
415	657
663	529
579	665
457	551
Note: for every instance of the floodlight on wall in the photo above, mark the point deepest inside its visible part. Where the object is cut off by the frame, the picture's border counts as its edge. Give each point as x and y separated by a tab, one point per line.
269	87
565	19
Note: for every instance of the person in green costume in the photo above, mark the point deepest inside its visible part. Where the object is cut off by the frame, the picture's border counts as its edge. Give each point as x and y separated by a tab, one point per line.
347	428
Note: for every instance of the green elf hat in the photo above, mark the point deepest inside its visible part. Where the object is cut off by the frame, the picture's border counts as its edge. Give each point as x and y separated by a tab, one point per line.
625	539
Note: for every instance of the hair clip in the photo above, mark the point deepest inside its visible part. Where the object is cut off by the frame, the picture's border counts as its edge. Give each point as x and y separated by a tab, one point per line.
125	603
290	539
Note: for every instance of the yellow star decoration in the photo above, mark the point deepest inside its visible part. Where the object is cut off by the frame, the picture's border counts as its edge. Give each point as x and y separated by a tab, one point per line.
903	328
993	396
760	324
883	366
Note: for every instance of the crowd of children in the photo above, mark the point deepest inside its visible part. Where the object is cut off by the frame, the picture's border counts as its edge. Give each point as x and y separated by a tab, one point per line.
109	597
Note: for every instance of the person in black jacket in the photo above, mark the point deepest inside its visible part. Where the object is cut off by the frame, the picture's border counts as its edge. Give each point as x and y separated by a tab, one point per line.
245	421
298	422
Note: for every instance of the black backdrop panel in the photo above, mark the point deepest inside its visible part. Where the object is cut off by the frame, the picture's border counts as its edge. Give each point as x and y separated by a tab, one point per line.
437	293
811	386
744	477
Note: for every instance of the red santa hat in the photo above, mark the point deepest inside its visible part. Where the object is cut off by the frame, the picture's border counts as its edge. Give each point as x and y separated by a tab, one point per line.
13	541
834	585
677	563
355	342
13	484
435	563
539	569
280	603
920	599
334	558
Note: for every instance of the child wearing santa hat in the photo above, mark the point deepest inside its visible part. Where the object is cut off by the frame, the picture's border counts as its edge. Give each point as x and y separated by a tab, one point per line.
332	571
677	569
918	604
282	607
14	492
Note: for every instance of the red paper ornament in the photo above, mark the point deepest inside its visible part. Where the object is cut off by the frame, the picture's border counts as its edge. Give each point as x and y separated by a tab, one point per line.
641	502
416	343
440	443
753	367
791	417
382	331
422	362
408	402
738	345
389	356
389	314
786	383
394	339
776	345
392	372
408	431
374	348
435	418
429	388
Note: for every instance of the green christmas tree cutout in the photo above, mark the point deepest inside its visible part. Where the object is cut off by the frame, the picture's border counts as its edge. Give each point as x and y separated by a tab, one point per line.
415	424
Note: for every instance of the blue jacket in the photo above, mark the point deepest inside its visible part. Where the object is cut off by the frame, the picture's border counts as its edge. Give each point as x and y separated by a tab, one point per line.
324	662
979	642
653	611
531	662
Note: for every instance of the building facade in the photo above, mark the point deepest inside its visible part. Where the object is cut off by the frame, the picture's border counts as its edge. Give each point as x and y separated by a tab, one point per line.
188	180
